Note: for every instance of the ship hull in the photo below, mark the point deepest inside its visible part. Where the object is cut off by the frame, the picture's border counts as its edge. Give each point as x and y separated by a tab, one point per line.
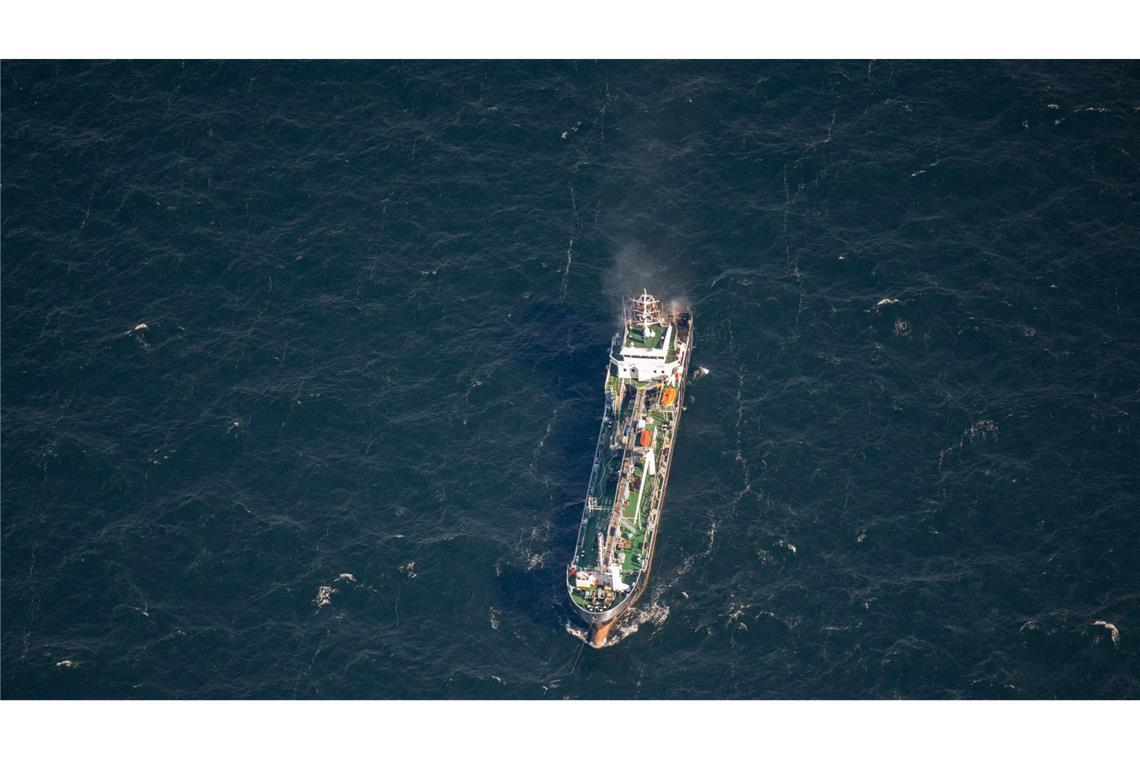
601	623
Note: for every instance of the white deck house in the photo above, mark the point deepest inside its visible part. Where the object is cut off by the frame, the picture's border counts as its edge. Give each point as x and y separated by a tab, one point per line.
647	350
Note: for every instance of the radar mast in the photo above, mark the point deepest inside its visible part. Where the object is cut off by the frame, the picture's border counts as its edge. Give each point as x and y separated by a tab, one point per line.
646	310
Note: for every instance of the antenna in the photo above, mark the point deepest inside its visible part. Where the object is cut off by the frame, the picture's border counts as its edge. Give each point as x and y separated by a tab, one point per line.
646	309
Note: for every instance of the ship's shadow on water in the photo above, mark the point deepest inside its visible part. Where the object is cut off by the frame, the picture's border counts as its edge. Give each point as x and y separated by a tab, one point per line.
533	595
563	349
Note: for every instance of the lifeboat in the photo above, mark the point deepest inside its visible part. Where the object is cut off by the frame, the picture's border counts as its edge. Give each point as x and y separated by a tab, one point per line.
646	437
669	396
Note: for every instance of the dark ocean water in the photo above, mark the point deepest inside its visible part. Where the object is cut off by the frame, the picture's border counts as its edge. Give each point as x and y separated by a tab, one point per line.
378	299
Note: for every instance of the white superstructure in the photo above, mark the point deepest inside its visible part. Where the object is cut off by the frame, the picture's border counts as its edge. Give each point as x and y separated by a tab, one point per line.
646	351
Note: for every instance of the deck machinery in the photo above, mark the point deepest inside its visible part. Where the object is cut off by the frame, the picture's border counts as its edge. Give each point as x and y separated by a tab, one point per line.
644	390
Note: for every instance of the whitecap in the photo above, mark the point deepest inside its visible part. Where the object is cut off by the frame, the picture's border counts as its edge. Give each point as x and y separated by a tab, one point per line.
787	545
577	632
1112	630
982	429
655	613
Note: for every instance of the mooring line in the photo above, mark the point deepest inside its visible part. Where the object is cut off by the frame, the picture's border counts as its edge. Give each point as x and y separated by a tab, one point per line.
577	657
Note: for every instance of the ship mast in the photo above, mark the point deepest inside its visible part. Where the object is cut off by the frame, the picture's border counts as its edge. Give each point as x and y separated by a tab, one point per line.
646	310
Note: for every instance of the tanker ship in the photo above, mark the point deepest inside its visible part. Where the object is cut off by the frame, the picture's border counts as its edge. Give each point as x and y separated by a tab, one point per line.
644	391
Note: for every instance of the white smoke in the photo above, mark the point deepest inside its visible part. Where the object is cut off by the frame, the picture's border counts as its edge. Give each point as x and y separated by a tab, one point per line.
636	268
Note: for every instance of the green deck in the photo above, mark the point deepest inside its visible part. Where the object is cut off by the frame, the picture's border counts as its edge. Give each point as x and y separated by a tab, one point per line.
635	338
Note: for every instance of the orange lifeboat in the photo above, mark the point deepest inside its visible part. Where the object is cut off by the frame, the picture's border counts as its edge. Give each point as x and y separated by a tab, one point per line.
646	437
669	396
